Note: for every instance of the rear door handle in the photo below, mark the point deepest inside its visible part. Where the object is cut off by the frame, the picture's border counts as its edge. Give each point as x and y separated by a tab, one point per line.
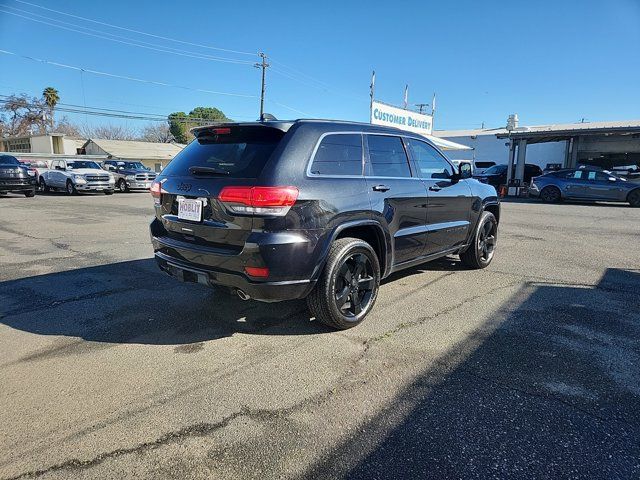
435	188
381	188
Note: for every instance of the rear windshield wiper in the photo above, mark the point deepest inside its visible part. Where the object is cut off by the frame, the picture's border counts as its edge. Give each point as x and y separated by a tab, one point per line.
207	171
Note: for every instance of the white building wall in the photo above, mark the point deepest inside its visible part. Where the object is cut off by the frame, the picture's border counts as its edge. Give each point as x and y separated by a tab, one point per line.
41	144
491	148
69	146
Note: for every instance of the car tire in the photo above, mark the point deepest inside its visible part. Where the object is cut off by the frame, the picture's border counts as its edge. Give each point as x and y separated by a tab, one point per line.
43	186
550	194
634	198
108	192
122	186
71	188
482	249
348	286
30	193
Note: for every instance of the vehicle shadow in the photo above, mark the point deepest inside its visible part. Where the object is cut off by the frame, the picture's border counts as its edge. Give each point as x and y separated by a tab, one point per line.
133	302
546	387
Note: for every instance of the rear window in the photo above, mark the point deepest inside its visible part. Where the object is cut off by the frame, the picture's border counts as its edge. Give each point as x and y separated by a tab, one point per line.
239	152
8	160
338	154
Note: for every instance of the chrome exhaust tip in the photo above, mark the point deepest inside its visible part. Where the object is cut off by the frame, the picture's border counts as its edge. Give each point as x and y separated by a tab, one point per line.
243	295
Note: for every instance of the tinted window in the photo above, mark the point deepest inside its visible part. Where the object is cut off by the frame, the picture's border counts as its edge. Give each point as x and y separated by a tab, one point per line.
387	157
429	162
8	160
598	176
496	170
575	174
338	155
82	164
236	152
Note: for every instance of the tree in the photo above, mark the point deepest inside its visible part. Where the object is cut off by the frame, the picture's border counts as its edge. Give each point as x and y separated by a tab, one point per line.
180	122
23	115
64	125
51	98
156	132
109	132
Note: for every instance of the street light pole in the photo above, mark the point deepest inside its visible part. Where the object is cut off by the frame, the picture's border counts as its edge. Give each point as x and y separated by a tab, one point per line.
263	65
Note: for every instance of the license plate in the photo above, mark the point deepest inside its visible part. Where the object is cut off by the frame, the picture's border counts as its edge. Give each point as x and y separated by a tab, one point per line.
189	209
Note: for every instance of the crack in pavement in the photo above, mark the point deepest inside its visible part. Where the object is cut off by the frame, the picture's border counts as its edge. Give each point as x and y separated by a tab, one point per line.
203	429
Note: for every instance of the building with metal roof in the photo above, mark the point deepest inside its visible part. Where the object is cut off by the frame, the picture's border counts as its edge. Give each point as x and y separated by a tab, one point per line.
153	155
609	145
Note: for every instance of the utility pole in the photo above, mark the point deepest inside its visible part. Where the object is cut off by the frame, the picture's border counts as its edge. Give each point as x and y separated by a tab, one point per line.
263	65
421	106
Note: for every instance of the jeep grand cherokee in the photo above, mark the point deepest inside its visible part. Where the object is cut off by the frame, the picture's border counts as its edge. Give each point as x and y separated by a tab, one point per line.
279	210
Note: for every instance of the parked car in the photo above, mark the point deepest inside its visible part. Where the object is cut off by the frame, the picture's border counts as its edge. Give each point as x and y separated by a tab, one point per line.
482	166
130	175
317	209
584	184
552	167
497	175
75	176
15	177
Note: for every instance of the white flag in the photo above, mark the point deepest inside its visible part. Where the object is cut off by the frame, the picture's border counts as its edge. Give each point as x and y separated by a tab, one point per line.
406	96
433	104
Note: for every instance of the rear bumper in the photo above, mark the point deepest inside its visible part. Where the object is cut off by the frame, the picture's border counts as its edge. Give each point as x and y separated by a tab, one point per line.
262	291
17	185
293	260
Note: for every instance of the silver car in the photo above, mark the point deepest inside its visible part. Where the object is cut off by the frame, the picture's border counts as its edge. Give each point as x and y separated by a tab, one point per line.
584	184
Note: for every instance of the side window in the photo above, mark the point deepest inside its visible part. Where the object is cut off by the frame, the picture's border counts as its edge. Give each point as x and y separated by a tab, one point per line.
599	176
429	162
387	157
577	174
338	154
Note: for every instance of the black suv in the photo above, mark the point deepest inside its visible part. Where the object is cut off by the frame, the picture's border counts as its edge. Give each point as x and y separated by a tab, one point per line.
15	177
281	210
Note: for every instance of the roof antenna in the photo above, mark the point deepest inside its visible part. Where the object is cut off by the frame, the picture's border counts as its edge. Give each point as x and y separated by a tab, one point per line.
266	117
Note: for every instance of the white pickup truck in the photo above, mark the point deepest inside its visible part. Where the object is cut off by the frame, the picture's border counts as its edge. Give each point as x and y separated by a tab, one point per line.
75	176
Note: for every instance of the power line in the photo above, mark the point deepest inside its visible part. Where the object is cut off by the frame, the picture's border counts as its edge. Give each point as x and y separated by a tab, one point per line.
124	77
137	31
126	41
108	112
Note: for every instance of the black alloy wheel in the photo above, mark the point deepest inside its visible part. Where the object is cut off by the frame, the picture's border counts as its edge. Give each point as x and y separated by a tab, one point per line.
550	195
634	198
483	243
487	241
354	285
348	286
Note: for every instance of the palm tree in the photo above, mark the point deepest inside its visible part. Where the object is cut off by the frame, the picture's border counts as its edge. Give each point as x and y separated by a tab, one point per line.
51	98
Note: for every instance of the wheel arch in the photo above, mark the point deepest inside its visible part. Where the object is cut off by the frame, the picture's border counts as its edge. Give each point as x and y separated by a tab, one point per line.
369	231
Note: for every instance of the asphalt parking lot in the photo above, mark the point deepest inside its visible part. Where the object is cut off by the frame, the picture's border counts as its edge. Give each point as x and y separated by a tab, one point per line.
110	369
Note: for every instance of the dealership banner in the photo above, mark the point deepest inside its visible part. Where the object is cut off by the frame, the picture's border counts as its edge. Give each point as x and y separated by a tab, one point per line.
383	114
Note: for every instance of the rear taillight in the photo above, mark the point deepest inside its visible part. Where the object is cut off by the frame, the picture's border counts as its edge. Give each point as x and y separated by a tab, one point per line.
259	200
156	192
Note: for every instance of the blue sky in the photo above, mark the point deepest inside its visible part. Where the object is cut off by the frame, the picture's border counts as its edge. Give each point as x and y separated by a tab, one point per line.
548	61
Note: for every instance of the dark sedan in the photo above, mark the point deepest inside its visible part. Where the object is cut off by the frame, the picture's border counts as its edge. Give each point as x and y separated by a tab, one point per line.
15	177
585	184
497	175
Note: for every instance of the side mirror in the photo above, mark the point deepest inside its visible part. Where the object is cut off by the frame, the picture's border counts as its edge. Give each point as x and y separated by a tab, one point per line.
613	179
465	170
